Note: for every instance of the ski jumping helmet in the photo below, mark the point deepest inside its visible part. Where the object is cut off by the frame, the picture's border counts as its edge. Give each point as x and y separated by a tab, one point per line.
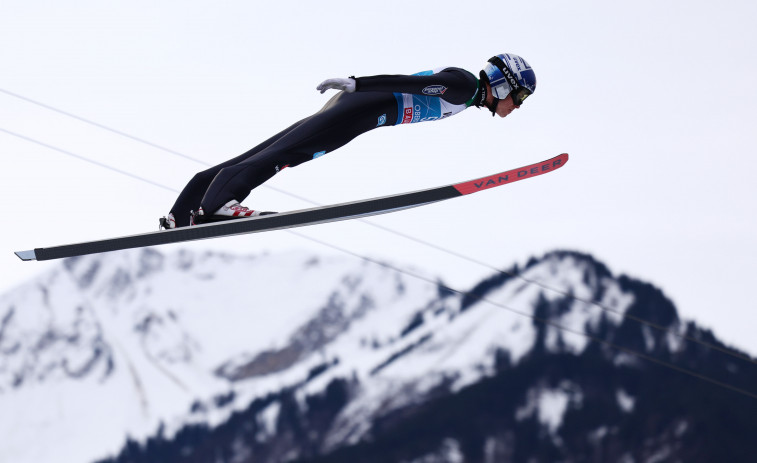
509	74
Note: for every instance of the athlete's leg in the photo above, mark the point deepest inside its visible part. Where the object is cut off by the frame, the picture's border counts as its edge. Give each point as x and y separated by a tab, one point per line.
342	119
190	197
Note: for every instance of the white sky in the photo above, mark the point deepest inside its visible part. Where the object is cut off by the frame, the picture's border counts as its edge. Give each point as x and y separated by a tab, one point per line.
654	100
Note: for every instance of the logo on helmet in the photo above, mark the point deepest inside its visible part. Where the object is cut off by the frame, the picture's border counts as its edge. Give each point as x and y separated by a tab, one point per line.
510	78
434	90
517	63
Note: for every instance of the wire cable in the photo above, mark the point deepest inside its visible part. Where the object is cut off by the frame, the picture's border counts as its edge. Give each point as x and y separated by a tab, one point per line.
626	316
670	331
86	159
652	325
98	125
372	224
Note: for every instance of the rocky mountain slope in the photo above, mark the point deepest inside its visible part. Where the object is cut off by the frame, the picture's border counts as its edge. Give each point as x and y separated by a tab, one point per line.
293	357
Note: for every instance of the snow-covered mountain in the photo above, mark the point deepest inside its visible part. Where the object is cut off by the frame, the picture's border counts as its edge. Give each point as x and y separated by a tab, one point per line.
295	357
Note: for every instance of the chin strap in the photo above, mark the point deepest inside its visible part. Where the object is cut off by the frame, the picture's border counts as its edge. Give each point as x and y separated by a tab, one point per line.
482	100
493	107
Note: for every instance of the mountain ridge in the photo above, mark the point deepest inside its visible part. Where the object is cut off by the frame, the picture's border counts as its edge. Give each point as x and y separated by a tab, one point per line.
359	357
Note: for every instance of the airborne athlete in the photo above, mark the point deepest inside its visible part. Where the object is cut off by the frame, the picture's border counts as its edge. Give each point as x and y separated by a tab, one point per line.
364	104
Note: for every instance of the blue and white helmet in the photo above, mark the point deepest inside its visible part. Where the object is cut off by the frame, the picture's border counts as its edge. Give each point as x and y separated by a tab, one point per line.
510	74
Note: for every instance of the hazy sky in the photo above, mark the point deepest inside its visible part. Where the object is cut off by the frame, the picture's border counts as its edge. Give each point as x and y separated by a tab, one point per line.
654	101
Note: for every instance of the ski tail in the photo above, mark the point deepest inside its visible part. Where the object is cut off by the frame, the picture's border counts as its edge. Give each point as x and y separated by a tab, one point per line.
26	255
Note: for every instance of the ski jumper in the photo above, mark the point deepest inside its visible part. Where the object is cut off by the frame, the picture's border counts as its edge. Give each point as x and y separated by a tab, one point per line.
378	101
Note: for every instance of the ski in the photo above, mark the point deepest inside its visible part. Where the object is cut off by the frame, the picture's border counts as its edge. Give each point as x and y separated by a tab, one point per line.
299	218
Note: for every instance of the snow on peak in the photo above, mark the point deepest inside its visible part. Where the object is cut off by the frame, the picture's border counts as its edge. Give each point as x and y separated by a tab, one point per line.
185	337
156	330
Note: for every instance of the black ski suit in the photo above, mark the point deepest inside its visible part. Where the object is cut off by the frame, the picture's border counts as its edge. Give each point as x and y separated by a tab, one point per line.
378	101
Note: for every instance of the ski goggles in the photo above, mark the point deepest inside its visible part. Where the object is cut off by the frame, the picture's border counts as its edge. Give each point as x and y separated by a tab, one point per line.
519	95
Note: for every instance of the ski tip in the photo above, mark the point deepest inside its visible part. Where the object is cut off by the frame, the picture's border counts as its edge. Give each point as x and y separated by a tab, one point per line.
26	255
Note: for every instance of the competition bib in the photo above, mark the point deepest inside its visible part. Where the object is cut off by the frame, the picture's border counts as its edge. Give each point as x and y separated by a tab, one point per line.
427	107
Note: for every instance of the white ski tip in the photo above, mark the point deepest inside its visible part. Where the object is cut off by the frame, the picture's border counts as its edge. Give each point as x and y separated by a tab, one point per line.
26	255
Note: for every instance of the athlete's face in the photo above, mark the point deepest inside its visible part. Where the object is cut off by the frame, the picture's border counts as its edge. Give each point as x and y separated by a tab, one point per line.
506	106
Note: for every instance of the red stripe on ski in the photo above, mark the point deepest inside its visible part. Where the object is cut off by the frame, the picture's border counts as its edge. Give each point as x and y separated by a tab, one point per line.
512	175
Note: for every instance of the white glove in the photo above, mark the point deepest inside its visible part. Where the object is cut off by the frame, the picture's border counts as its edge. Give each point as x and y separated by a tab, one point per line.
348	85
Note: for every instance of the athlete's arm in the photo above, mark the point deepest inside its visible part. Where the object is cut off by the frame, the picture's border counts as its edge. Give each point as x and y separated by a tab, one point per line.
453	84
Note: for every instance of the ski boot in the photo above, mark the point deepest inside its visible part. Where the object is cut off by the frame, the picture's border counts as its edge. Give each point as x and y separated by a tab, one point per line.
229	211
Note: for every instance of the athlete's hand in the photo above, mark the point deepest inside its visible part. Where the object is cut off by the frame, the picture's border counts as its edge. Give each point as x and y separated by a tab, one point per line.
348	85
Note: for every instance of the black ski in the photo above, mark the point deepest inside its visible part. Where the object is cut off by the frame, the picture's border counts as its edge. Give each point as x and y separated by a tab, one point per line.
298	218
